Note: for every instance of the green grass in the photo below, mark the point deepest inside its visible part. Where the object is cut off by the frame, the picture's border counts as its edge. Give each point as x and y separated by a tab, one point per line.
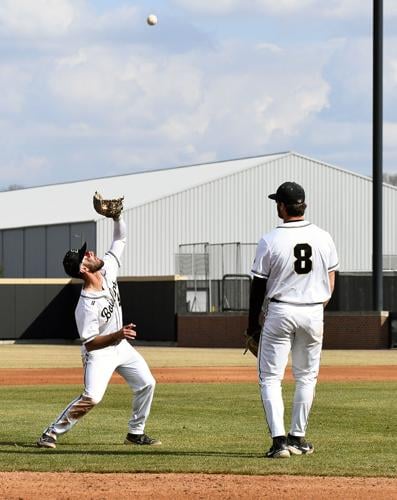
215	428
66	356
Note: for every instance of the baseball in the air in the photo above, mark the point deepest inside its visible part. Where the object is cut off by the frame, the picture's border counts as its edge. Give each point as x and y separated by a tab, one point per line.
152	20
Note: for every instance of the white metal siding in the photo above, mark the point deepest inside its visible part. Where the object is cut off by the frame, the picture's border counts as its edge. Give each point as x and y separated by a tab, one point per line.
235	208
389	220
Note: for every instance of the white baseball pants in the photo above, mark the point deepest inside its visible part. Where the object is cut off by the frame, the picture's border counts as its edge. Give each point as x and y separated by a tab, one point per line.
99	366
299	329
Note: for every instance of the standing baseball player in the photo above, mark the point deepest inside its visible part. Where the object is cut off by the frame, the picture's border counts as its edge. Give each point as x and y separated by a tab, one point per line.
294	269
105	342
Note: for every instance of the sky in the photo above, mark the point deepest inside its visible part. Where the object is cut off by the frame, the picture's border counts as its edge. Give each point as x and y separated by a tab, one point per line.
89	90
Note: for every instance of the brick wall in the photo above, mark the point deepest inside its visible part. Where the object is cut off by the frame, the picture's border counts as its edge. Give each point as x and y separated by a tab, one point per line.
211	330
369	330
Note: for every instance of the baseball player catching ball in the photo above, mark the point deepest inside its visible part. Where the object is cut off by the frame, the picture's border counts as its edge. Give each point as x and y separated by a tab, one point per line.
105	340
294	268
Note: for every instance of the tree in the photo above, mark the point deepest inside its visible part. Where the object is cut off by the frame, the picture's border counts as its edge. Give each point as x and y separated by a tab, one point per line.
390	179
13	187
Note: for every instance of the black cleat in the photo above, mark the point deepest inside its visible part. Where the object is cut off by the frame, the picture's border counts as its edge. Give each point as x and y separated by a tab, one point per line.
299	446
279	448
46	441
141	439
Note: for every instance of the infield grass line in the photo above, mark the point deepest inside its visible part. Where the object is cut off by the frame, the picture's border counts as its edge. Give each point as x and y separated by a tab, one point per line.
68	356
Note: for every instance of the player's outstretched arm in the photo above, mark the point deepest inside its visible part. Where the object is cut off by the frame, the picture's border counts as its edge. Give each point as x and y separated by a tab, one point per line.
119	230
101	341
119	238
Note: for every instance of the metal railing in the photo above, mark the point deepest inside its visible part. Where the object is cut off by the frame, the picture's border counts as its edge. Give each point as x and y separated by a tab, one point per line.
217	275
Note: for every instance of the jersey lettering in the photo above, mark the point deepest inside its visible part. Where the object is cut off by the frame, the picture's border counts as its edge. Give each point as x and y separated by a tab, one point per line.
303	264
107	312
115	297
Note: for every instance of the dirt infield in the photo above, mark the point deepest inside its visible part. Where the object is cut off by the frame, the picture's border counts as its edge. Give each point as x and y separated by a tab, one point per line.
37	376
62	486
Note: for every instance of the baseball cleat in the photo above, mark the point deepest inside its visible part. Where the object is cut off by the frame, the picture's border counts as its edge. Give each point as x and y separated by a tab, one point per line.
299	446
279	448
46	441
141	439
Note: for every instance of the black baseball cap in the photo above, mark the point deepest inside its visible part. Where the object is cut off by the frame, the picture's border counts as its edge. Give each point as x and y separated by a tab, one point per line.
289	193
72	261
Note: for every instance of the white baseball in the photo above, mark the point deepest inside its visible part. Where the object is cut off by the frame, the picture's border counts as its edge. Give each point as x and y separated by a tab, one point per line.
152	20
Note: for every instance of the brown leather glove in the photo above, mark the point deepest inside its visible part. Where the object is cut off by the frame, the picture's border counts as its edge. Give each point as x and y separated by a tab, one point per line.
252	336
108	208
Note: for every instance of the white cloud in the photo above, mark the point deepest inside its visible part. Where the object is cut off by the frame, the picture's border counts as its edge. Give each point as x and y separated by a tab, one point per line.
271	47
390	146
186	126
351	66
36	18
75	59
130	86
195	105
342	8
14	82
330	9
282	6
150	158
392	71
390	8
120	18
222	7
112	95
25	167
390	136
218	7
337	134
87	78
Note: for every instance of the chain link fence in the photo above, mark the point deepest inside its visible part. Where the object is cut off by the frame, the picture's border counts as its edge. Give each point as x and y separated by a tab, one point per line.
217	275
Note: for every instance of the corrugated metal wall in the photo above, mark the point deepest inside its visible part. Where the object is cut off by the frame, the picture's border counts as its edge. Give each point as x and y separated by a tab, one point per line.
37	252
235	208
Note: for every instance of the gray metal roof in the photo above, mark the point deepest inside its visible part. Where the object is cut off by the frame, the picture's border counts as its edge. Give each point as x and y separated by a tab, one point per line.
72	202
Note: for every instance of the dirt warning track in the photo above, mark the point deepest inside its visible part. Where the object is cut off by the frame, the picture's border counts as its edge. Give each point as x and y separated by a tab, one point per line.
44	376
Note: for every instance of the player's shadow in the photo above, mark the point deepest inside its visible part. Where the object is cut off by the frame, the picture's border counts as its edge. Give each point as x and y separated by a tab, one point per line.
24	448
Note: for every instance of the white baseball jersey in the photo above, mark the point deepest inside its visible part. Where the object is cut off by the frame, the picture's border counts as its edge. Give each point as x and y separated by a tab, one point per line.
99	313
295	258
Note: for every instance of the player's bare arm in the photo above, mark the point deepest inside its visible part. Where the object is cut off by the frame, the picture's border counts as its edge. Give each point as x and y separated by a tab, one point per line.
101	341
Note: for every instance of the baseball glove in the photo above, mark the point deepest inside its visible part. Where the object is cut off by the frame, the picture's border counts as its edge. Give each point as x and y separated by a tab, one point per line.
108	208
252	341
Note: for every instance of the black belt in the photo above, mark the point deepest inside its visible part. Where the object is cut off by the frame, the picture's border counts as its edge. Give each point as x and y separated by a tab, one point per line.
295	304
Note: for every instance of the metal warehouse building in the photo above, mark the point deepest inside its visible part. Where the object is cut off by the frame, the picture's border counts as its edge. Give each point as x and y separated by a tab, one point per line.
192	233
171	212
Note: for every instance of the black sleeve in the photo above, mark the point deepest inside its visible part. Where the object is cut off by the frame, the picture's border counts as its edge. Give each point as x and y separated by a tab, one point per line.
257	296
